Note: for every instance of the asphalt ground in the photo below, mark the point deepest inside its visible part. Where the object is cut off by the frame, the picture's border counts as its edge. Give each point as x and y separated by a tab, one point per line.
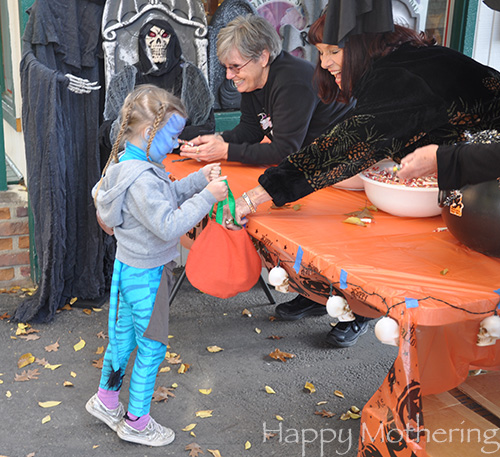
242	412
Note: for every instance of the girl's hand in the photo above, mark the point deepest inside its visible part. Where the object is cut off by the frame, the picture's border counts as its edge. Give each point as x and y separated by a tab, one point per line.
212	171
218	188
241	211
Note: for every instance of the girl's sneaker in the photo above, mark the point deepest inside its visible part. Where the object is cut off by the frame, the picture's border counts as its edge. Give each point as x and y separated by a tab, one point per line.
111	417
153	435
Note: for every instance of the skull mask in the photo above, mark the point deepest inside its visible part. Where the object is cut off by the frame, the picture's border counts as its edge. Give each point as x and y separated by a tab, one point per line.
489	331
157	41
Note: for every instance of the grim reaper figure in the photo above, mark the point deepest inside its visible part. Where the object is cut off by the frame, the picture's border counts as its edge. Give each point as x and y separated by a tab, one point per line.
59	70
161	63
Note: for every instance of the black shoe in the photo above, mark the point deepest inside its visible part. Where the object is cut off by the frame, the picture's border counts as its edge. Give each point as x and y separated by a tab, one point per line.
346	334
298	308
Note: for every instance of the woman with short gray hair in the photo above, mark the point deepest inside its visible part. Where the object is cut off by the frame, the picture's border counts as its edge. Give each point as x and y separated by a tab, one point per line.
278	100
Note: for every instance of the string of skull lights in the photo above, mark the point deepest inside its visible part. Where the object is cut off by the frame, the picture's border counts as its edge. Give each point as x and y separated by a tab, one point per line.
386	329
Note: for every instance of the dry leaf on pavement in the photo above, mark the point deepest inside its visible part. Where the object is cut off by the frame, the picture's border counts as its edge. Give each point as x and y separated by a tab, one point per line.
324	413
280	355
80	345
4	316
101	335
25	359
162	393
214	349
194	449
27	375
310	387
214	452
204	413
98	363
48	404
338	393
52	347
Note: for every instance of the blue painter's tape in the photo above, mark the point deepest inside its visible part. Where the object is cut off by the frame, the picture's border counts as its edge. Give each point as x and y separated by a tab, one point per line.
411	302
343	279
298	259
497	291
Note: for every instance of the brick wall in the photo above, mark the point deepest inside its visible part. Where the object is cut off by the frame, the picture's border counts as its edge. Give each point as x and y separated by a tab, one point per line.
14	238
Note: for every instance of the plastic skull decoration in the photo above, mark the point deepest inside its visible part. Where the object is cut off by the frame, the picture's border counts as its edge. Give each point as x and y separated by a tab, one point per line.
157	41
337	306
387	331
277	276
489	331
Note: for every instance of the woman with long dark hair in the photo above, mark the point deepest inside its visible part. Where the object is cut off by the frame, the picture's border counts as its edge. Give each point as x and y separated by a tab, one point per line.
409	93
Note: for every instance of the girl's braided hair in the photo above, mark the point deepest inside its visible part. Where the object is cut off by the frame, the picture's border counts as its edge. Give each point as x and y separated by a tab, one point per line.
146	105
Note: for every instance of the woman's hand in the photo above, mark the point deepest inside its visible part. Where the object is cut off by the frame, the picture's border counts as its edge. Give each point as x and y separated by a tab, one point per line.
421	162
207	148
255	197
218	188
212	171
108	230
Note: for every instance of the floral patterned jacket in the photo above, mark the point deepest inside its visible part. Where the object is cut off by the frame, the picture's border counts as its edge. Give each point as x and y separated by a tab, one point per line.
412	97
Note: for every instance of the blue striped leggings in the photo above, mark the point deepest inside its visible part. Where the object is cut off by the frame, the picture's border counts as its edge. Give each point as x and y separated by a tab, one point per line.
138	289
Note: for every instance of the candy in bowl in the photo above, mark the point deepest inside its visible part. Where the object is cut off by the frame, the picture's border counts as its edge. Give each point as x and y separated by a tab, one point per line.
406	198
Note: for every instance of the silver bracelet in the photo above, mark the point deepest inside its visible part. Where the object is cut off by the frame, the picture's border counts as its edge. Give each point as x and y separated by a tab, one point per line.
248	202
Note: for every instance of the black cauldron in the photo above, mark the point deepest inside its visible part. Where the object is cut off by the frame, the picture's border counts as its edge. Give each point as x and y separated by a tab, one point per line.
472	215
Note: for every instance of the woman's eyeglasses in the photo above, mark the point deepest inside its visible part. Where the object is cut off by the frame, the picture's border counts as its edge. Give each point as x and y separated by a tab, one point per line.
236	68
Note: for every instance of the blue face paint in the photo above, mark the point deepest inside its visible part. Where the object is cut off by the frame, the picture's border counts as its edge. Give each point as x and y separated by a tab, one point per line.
165	139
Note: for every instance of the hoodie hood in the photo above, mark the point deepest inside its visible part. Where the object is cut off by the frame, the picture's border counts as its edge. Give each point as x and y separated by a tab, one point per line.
119	177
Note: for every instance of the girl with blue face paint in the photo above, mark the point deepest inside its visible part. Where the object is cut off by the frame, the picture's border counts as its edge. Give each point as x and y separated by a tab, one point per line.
148	213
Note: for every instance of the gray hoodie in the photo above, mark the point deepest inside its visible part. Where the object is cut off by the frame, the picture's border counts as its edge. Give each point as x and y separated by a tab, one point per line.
149	212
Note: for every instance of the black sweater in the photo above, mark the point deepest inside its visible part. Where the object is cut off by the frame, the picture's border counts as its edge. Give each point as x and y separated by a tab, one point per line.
297	115
410	98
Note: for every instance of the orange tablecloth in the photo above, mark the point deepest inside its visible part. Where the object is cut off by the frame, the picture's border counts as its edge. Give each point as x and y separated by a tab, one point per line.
378	268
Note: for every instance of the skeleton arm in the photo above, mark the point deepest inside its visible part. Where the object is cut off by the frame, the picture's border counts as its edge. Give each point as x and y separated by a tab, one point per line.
80	85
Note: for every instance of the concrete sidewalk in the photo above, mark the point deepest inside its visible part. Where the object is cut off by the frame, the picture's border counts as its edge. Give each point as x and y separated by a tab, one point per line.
242	410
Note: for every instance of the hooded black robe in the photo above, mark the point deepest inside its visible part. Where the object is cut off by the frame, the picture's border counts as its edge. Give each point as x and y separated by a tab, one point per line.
60	132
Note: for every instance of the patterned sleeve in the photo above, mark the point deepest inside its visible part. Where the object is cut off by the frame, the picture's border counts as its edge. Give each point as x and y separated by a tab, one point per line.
394	110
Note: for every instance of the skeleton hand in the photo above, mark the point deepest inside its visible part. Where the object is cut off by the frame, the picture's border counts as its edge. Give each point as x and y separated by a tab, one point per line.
80	85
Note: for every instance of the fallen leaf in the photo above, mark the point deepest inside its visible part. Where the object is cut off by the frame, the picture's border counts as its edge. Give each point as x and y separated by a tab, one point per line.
268	435
183	368
52	367
189	427
95	446
45	420
31	454
52	347
97	310
274	337
175	385
165	369
354	221
362	214
101	335
258	330
30	337
174	360
73	300
345	417
194	449
87	311
280	355
246	313
41	362
80	345
73	374
214	349
205	391
214	452
67	384
324	413
48	404
443	272
8	394
100	350
353	415
162	393
269	390
338	393
66	307
98	363
4	316
204	413
310	387
25	359
193	434
27	375
248	445
170	336
355	409
21	328
321	403
296	207
279	418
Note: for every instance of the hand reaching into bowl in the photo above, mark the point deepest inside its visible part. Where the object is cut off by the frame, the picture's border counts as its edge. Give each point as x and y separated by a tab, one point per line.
421	162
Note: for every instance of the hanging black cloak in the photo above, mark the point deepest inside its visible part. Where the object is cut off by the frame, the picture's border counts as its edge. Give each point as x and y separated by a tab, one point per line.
60	132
